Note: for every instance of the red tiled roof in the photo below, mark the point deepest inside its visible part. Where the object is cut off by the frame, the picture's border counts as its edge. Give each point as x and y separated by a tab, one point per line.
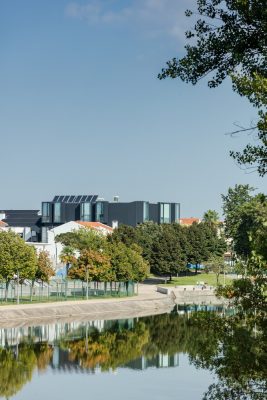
189	221
95	225
3	224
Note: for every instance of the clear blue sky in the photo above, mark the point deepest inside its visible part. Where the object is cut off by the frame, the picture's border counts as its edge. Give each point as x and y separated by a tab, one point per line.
82	110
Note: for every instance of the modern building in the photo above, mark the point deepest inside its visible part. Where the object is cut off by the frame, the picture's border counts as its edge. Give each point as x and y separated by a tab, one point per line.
91	208
26	223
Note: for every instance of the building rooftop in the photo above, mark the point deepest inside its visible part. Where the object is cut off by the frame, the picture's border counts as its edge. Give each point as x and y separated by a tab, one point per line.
82	198
95	225
189	221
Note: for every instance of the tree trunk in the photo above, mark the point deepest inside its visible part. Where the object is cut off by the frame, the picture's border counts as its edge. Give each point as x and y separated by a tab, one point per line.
6	291
31	289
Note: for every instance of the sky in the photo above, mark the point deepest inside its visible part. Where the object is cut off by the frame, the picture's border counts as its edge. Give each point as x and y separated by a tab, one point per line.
82	110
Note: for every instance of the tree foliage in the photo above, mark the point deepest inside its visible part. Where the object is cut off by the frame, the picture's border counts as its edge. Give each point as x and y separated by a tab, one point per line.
45	268
230	40
16	257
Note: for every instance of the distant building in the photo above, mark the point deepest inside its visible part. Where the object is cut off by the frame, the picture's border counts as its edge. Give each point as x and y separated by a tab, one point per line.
91	208
25	223
189	221
54	248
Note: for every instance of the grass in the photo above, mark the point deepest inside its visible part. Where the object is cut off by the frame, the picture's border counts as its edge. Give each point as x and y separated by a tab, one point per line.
209	279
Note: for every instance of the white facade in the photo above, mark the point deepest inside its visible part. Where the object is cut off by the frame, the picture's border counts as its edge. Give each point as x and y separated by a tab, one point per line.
53	248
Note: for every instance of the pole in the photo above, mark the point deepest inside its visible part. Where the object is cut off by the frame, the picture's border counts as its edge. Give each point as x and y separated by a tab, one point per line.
17	286
87	282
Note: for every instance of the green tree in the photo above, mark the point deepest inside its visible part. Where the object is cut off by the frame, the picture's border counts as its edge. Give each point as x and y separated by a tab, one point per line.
230	40
16	258
125	234
216	264
199	251
82	239
167	255
232	202
68	257
45	268
211	217
92	266
146	234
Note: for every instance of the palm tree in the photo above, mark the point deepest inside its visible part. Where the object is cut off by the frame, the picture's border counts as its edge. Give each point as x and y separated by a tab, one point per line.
211	217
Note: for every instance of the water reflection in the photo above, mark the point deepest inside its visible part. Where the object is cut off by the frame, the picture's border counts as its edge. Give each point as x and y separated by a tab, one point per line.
215	340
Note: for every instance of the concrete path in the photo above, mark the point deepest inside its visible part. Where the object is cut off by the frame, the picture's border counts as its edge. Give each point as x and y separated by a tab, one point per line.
147	302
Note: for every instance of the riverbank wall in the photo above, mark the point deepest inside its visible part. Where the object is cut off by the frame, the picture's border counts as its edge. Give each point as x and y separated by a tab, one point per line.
46	313
192	295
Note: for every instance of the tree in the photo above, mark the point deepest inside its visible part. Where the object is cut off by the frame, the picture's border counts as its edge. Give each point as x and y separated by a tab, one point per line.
247	222
68	257
251	235
16	258
167	255
127	263
216	264
198	246
45	269
211	217
125	234
146	234
92	266
230	40
232	202
82	239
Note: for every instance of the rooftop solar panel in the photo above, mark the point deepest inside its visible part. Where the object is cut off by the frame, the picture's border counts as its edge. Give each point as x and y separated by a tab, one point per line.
75	199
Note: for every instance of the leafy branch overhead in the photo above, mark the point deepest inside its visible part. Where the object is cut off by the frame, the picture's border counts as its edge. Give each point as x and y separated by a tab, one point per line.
230	40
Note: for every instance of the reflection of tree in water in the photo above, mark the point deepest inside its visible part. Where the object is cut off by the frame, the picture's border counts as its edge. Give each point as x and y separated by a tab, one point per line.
239	357
108	349
234	348
17	366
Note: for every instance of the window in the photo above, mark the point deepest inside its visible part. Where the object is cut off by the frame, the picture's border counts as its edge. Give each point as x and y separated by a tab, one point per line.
44	234
165	213
46	212
57	212
86	212
99	213
177	212
145	211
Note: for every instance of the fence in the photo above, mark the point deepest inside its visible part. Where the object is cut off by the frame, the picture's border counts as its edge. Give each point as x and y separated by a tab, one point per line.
62	289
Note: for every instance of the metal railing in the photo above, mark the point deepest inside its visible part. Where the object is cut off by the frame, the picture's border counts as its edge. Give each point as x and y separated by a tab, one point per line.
62	289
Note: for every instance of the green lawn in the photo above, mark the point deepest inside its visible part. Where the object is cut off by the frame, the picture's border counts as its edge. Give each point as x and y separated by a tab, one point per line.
210	279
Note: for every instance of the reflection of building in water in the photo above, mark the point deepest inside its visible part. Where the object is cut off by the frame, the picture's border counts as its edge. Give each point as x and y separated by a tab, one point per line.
54	332
62	362
158	361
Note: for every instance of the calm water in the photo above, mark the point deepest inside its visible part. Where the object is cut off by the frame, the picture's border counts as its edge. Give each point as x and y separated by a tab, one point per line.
170	356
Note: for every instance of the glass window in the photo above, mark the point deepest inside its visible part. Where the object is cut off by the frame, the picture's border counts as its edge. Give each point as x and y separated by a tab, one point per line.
57	212
165	213
145	211
177	212
46	212
99	214
44	234
86	212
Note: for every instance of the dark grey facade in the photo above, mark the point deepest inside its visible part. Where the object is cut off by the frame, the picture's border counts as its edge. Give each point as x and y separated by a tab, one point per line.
28	219
63	209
